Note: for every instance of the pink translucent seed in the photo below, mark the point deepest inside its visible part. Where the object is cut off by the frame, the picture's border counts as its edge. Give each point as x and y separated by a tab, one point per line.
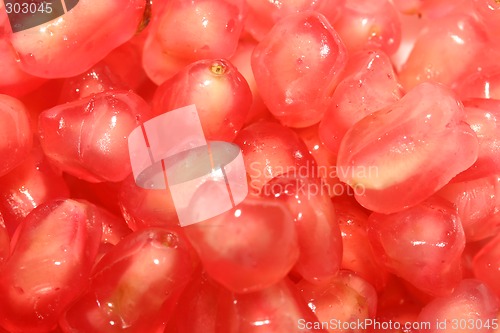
345	298
269	150
220	93
368	84
242	61
472	307
422	244
481	85
421	139
278	308
456	37
478	205
319	238
263	14
30	184
296	76
483	116
187	31
96	80
357	255
15	133
72	43
489	12
325	160
88	138
143	208
134	286
52	253
369	24
486	264
247	248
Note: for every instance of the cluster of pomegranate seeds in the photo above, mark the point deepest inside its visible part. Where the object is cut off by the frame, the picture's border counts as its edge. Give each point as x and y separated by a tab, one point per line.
370	137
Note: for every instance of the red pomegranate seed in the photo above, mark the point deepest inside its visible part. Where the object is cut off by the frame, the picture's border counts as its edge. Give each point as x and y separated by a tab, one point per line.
96	80
269	150
486	264
219	92
478	205
346	299
16	134
421	139
52	253
278	308
296	76
30	184
325	160
61	47
263	14
134	286
483	116
247	248
318	233
88	138
144	208
357	255
472	307
242	61
369	24
368	85
187	31
422	244
456	37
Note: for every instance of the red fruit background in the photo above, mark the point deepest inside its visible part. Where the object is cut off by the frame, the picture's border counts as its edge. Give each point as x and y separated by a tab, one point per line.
370	139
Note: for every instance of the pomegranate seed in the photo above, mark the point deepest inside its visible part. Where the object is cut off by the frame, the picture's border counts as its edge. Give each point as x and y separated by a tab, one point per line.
368	84
368	24
88	138
187	31
130	289
482	115
318	233
357	256
263	15
247	248
219	92
324	159
16	137
456	37
96	80
144	208
27	186
52	253
422	245
486	264
296	76
470	308
270	150
411	141
347	298
478	205
61	49
278	308
242	61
